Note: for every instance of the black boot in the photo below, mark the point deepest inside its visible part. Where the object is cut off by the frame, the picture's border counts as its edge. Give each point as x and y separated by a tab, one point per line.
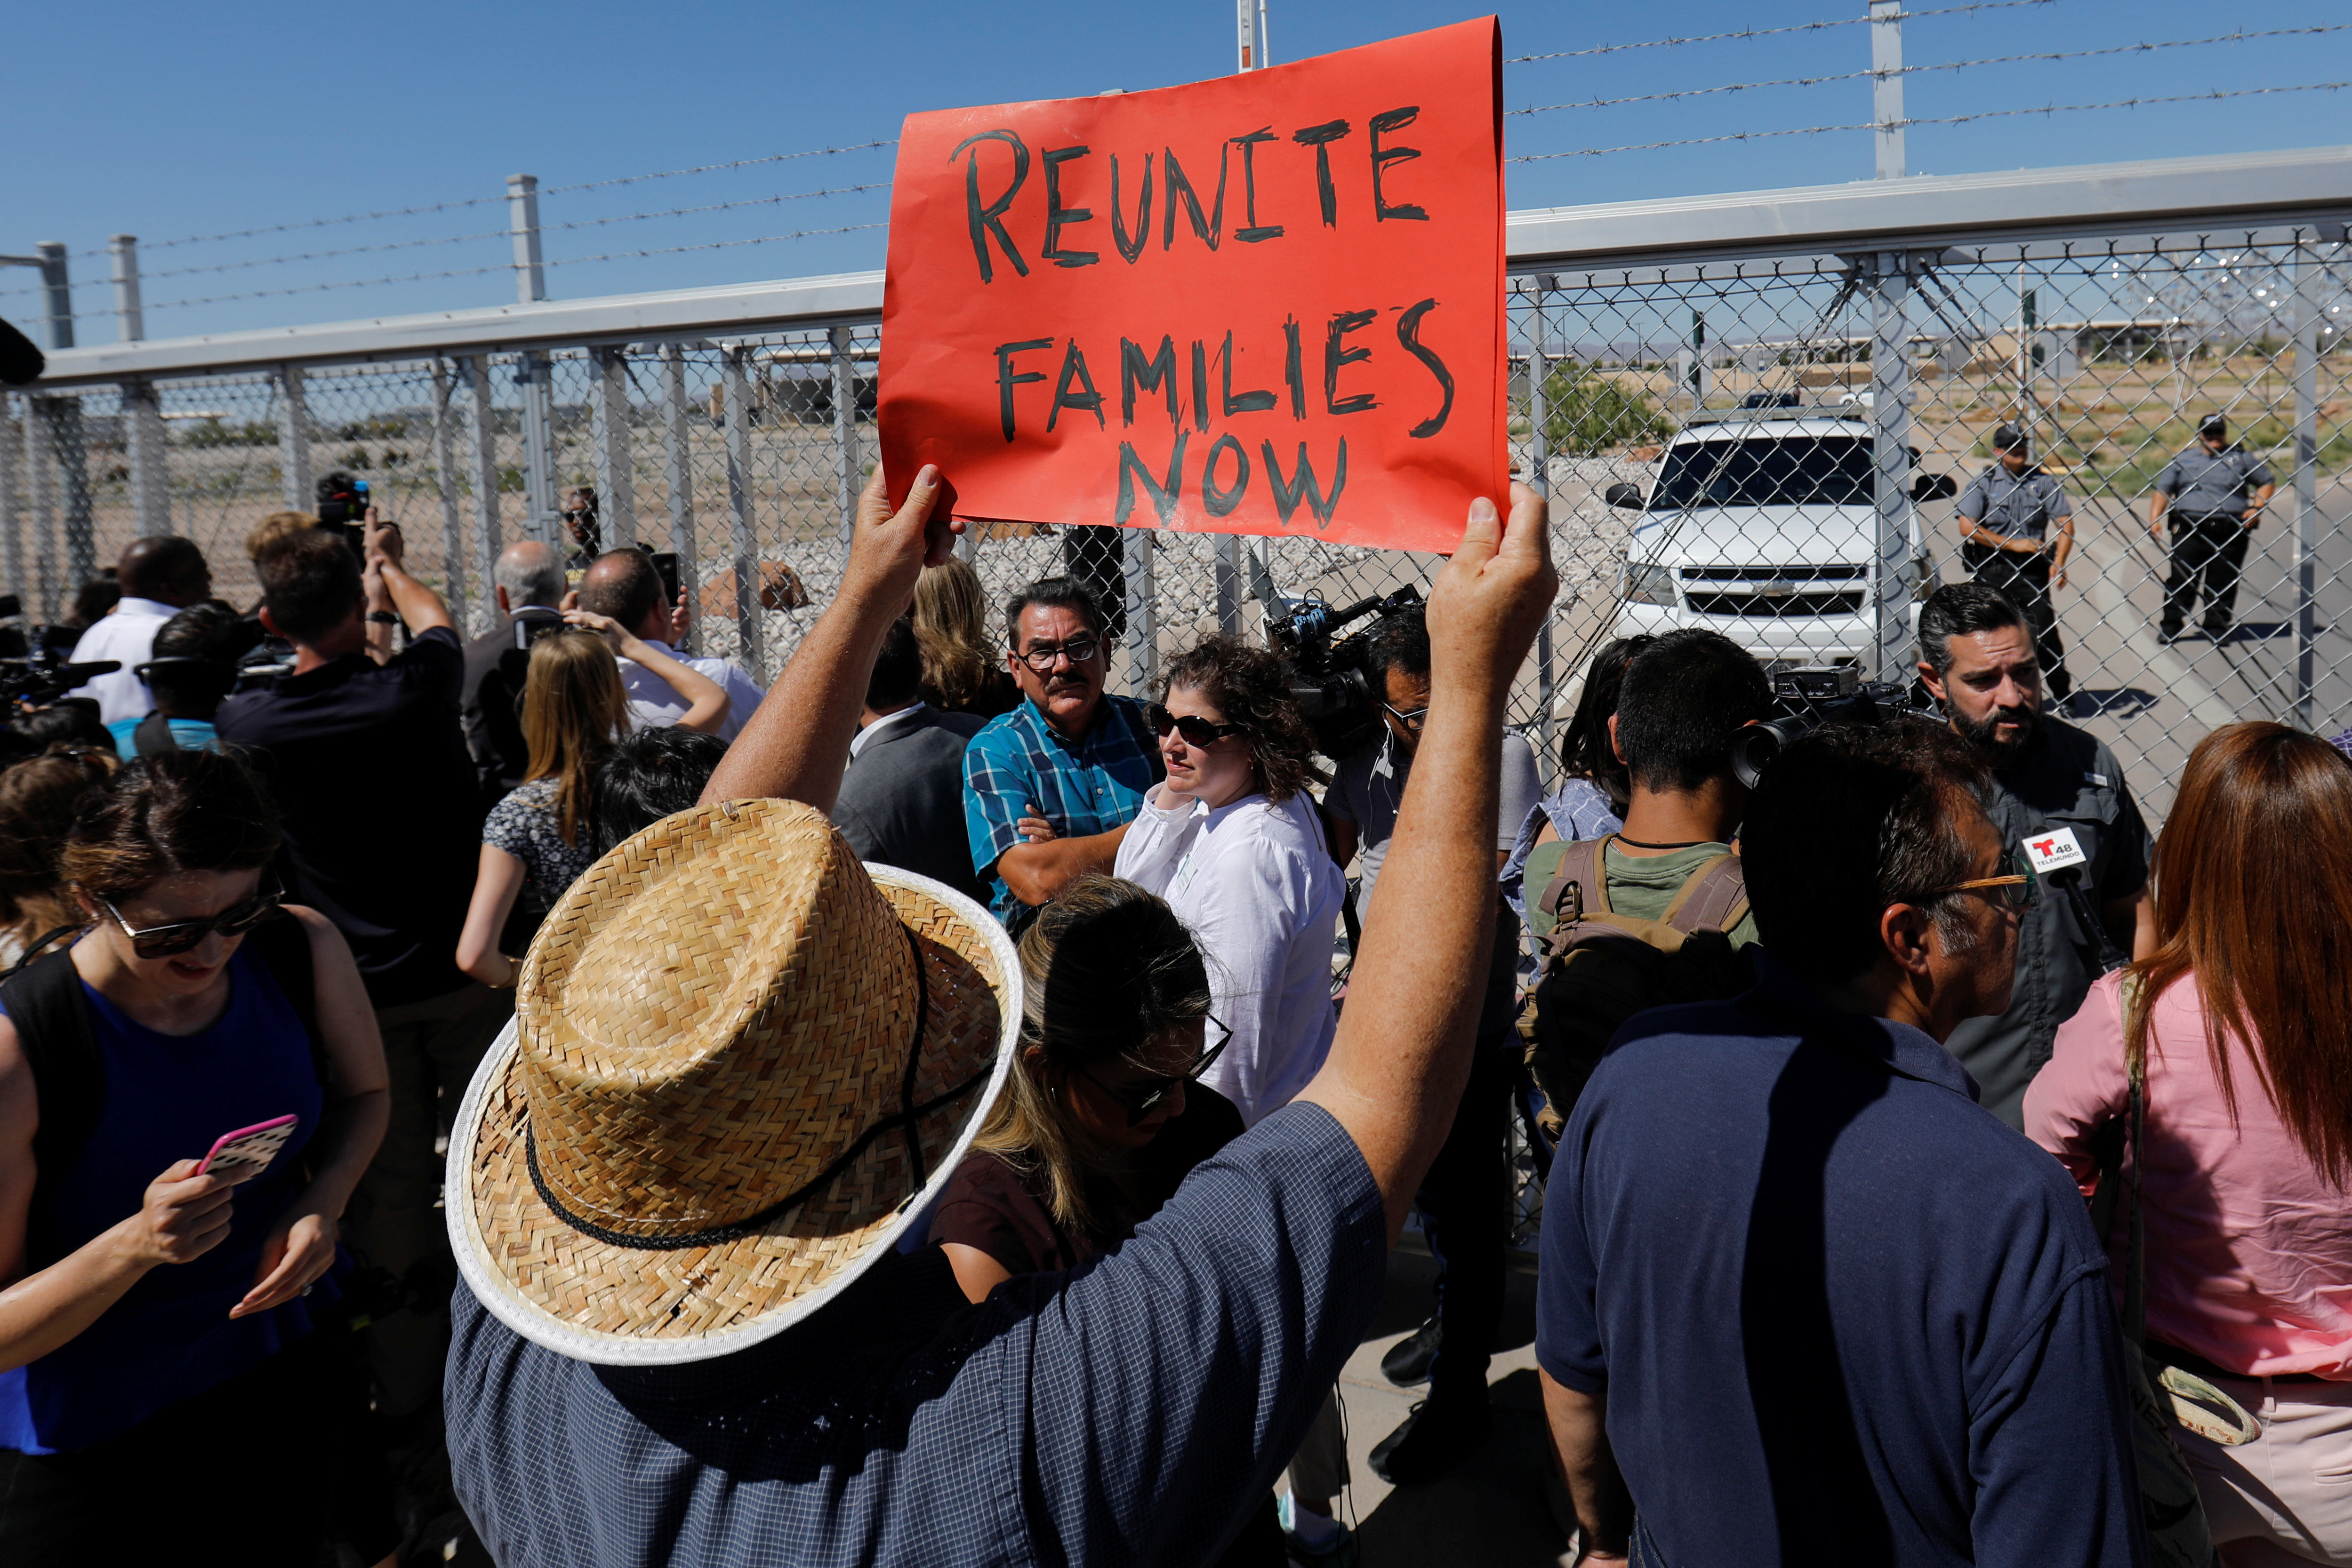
1407	1362
1443	1428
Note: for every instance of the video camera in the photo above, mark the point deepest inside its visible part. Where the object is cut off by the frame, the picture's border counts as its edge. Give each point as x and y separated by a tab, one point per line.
1806	698
1328	678
31	672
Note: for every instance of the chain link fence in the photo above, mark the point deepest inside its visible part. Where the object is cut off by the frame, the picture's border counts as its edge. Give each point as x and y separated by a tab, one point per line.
1747	444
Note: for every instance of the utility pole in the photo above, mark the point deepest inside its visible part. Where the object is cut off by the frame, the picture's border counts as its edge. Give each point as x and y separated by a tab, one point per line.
1887	85
142	410
531	368
1251	55
1254	51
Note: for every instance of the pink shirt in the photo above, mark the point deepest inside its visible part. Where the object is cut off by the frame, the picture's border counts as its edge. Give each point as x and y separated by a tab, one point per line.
2249	1246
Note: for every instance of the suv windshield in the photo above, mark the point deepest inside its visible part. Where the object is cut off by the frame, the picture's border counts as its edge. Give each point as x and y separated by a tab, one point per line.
1798	471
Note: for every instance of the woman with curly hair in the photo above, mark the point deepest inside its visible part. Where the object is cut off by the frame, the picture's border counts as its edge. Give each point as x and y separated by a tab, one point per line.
1232	840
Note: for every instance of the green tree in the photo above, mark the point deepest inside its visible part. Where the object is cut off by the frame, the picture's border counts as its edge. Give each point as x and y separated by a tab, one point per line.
1589	413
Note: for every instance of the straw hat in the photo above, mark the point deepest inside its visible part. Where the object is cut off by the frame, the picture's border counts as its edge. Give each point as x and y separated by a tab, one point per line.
716	1104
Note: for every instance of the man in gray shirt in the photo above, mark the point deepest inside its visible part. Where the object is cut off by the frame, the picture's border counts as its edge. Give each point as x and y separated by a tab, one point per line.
2215	492
2016	532
1462	1200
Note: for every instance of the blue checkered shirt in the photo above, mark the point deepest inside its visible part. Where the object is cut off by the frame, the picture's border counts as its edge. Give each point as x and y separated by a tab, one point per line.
1130	1411
1084	787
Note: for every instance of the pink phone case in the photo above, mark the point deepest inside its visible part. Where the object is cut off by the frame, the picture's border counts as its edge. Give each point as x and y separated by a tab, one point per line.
248	1151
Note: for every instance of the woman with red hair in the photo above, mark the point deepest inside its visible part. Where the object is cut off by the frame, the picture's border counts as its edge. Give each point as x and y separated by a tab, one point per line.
2243	1018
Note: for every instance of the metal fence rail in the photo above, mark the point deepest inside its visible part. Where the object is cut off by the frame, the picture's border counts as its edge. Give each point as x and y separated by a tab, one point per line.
2105	310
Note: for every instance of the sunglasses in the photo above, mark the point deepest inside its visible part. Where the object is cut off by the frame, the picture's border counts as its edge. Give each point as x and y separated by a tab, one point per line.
1196	730
1077	650
186	935
2020	887
1412	720
1141	1101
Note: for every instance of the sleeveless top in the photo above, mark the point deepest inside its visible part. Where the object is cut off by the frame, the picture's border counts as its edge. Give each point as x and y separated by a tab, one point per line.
170	1337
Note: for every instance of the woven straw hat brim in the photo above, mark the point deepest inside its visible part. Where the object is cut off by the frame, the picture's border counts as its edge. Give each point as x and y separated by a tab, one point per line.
625	1306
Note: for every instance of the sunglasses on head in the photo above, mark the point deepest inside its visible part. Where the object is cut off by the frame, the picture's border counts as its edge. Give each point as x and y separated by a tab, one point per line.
1142	1101
1196	730
186	935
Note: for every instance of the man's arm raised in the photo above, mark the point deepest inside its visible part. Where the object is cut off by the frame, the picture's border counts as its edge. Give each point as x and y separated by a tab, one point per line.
797	744
1402	1053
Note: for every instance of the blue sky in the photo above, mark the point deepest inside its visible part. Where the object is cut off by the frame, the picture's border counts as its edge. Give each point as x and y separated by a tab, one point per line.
186	121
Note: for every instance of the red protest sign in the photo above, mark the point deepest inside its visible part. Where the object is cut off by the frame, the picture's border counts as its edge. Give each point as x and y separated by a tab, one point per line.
1270	303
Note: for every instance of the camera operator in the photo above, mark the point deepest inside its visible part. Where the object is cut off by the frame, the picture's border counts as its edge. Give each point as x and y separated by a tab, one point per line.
381	822
1462	1200
624	586
2051	783
161	576
529	583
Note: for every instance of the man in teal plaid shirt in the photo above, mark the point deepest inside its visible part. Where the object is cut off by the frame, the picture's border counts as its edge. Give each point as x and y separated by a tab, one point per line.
1050	787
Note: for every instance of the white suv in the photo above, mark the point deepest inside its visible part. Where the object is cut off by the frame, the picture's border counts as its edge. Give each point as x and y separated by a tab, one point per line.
1763	526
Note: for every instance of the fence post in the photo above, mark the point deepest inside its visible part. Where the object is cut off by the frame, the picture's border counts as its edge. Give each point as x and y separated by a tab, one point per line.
38	504
476	371
1887	85
531	368
294	441
1890	421
60	418
142	409
57	287
445	480
680	459
617	490
1142	611
2307	314
1539	480
12	519
847	481
743	541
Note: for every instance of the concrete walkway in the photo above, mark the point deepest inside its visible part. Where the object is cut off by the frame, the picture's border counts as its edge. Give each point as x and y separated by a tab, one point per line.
1492	1508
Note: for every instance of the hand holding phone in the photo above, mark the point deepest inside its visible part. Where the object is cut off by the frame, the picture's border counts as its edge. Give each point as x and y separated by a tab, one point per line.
246	1152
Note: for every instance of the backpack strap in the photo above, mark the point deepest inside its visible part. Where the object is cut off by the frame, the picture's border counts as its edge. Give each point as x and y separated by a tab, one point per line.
283	946
1580	867
60	1045
1713	898
153	736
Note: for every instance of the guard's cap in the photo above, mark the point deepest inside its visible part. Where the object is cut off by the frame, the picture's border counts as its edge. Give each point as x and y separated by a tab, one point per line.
2008	438
2215	426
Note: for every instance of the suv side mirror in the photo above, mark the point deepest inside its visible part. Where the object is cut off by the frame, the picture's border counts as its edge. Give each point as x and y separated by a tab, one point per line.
1626	496
1934	487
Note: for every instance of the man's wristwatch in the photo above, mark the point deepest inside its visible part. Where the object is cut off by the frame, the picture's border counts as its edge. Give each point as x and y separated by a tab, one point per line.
384	617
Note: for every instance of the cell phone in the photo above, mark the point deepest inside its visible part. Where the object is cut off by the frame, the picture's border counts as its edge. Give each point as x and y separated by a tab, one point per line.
666	563
246	1152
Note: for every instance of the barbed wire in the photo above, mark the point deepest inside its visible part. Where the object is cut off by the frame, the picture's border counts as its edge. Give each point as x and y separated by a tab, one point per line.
319	254
719	243
318	288
719	207
1946	65
1937	119
715	168
1769	31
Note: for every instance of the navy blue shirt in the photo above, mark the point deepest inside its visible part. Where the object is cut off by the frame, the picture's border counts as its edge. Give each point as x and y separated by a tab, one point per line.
1133	1409
1838	1310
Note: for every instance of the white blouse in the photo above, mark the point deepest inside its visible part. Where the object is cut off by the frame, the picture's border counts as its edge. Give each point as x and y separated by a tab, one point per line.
1255	883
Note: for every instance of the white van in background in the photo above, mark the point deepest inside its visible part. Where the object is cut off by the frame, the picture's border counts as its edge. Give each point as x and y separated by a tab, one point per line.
1762	525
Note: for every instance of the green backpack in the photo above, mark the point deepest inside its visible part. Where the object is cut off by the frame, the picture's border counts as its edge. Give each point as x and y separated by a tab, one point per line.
1601	968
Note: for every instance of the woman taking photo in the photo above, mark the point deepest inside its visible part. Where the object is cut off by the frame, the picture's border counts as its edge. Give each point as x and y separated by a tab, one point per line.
1104	1114
1232	840
2242	1016
163	1395
540	836
963	672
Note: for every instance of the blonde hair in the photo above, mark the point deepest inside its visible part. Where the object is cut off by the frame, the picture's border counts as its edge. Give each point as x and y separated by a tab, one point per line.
951	633
1107	970
573	708
272	529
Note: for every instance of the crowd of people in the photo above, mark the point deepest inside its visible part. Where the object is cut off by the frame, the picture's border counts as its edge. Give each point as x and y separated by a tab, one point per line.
910	1114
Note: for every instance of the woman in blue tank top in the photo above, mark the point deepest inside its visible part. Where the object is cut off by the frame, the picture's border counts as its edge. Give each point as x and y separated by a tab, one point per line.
163	1388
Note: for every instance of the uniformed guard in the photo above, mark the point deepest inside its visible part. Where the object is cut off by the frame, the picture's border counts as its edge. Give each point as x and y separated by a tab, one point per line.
2215	492
2016	532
